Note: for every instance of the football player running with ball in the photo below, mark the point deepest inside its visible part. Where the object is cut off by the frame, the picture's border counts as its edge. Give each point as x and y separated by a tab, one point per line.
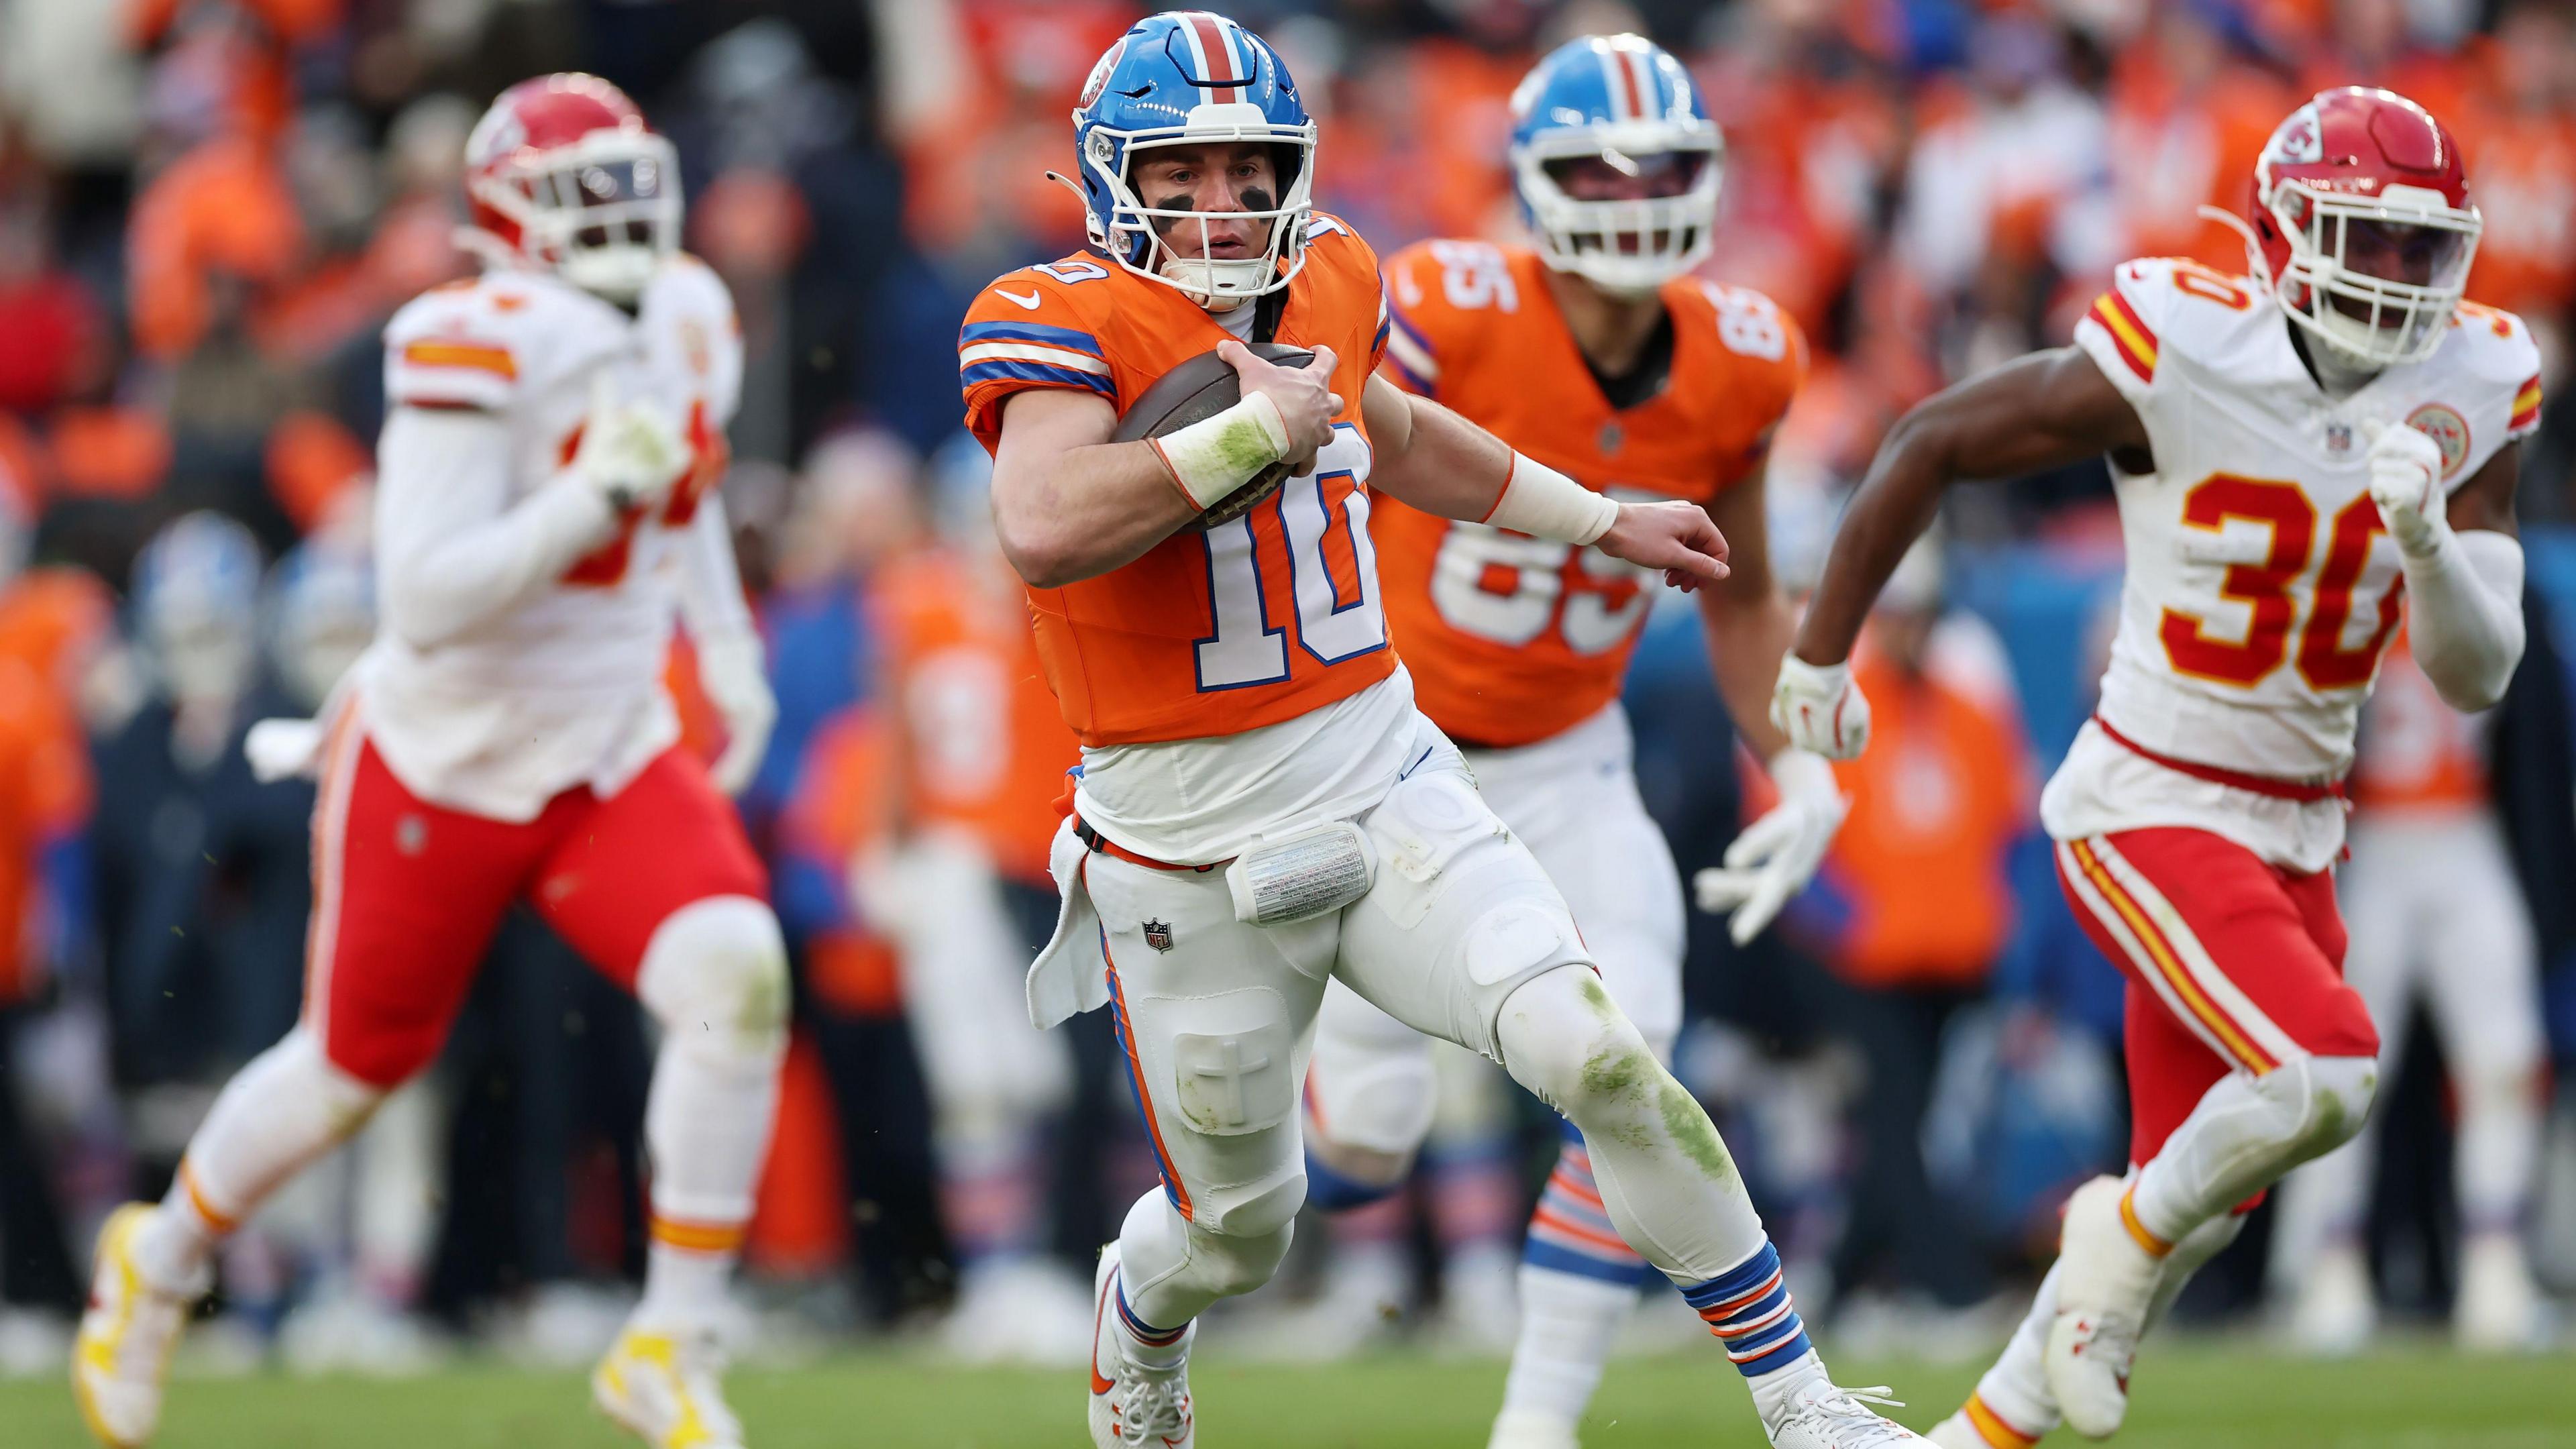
1597	353
2291	451
544	507
1262	809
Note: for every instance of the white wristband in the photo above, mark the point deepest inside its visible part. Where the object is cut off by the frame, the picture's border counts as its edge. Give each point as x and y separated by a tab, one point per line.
1540	501
1214	456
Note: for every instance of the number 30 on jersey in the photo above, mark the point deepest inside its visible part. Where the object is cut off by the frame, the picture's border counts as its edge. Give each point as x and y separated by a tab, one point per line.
1332	575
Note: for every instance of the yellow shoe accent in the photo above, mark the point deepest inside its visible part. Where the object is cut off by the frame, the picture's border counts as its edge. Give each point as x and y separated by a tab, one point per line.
118	1293
649	1385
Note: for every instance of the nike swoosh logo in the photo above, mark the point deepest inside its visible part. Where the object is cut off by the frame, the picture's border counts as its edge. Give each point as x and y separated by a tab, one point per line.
1030	301
1099	1306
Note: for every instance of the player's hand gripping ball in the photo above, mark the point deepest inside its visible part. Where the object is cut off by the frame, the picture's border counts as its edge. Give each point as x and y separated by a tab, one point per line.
1211	382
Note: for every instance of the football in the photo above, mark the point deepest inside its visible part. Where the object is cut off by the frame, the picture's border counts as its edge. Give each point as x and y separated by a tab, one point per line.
1194	391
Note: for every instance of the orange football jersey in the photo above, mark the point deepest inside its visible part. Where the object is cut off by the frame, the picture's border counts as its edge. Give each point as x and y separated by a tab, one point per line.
985	748
1250	623
1510	638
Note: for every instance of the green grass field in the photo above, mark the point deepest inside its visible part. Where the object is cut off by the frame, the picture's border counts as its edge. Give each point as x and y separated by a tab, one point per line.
2205	1396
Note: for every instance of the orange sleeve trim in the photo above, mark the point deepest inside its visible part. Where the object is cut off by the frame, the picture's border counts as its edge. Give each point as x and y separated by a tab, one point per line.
481	356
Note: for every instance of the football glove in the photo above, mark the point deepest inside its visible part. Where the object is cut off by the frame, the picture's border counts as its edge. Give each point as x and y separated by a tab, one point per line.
1778	854
2406	483
631	452
1819	708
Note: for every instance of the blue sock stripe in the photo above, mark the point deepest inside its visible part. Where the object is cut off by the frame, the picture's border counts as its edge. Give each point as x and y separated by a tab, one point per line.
1737	1281
1777	1359
1557	1258
1333	1192
1752	1345
1144	1332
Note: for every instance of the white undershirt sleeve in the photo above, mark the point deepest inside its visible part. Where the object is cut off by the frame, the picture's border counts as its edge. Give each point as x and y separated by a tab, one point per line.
2465	615
711	598
452	550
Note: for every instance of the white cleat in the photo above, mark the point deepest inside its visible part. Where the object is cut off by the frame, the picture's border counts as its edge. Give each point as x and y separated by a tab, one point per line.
666	1389
1520	1429
122	1352
2336	1312
2107	1279
1823	1416
1132	1405
2499	1307
1017	1313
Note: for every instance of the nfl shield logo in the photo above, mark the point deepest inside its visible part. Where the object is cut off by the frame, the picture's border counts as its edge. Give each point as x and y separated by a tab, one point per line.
1158	934
1613	438
2338	438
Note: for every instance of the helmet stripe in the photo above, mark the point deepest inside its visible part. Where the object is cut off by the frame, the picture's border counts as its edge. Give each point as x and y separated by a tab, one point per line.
1642	63
1211	46
1621	84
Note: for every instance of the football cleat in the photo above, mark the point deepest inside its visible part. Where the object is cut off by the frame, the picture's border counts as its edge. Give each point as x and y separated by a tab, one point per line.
1824	1416
122	1352
2107	1279
2498	1309
1133	1406
666	1389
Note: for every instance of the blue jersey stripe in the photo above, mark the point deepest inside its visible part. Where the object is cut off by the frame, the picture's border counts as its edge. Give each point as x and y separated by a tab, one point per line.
1003	369
1028	332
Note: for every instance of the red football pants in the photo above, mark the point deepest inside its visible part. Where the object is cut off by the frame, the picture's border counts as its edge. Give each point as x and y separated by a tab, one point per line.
2233	964
407	894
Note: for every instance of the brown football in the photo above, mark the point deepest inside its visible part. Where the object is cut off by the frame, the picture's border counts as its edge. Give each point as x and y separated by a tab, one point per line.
1197	390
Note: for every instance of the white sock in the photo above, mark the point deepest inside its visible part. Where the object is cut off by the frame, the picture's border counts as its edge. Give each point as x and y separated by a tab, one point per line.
1568	1324
714	975
276	1117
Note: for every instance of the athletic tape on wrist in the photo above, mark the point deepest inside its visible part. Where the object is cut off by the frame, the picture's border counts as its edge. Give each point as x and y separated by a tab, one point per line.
1543	503
1214	456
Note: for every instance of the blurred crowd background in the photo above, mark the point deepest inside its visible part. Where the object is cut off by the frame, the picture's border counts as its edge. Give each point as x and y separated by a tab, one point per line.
208	208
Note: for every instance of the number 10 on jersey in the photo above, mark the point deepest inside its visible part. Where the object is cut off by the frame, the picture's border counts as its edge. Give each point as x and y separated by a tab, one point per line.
1335	618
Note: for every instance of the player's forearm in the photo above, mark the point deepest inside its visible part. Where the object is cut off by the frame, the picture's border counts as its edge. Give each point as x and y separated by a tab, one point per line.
1887	513
2464	603
1746	637
711	597
1084	512
452	556
1434	459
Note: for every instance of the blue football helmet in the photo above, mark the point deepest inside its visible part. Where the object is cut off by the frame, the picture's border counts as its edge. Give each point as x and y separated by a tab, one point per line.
1619	102
319	614
1185	78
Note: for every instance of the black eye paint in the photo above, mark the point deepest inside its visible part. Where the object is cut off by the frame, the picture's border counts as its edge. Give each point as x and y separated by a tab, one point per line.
1254	198
1179	201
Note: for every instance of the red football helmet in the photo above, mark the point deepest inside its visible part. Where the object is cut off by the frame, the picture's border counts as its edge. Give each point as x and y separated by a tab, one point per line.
563	174
2361	210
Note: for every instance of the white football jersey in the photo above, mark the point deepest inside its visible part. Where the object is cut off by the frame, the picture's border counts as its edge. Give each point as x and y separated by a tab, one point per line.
566	688
2261	589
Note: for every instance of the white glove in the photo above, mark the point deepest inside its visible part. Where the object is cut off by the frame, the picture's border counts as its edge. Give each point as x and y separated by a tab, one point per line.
733	669
1818	708
630	452
2406	483
1778	854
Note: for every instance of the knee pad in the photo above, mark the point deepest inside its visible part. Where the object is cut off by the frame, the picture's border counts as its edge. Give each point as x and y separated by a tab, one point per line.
1564	1039
1230	1264
715	976
2326	1099
1371	1086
